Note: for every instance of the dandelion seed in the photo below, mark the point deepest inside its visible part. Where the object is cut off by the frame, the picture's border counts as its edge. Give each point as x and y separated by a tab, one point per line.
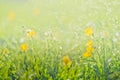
24	47
66	60
89	31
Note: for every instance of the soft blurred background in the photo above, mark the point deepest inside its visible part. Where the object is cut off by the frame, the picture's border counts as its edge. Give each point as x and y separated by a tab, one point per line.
71	15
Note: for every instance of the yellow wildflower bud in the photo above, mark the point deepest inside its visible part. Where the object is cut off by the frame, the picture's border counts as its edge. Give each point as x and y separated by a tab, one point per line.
66	60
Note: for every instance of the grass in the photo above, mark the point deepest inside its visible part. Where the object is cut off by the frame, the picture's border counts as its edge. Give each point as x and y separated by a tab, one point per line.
59	28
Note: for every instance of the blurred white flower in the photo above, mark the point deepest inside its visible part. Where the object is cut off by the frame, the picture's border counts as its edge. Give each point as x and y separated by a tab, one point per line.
48	33
22	40
54	38
117	34
115	40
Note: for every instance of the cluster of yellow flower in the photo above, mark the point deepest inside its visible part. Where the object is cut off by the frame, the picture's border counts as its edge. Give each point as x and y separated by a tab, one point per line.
31	34
66	59
89	45
89	49
23	46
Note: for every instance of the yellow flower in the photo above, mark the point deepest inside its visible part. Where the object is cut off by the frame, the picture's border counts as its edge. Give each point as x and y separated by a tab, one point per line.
87	54
31	33
89	43
5	51
89	31
36	11
66	60
90	49
11	16
24	47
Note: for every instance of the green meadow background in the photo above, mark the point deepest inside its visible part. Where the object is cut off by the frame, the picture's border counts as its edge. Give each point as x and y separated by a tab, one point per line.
64	21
